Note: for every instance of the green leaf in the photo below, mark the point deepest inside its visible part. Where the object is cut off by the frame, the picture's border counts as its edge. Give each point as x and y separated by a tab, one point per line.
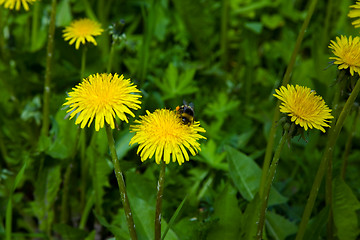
69	233
317	224
117	231
227	210
20	174
210	156
142	197
173	218
100	168
251	216
278	226
63	13
345	205
46	189
246	175
174	84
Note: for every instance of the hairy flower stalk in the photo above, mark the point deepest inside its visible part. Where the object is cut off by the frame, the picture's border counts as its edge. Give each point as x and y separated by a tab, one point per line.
304	110
101	98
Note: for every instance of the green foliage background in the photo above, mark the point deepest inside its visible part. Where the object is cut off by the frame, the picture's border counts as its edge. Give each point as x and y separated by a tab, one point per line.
226	57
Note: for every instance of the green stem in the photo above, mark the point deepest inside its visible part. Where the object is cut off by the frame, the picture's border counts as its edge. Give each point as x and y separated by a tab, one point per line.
121	183
270	144
348	145
324	161
329	174
35	25
269	179
83	63
159	197
111	56
66	183
49	57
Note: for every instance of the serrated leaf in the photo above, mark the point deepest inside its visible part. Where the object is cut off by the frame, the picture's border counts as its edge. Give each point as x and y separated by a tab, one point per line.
246	175
278	226
345	205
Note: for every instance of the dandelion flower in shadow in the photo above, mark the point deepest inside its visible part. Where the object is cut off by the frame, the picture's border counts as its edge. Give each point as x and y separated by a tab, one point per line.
11	4
304	107
347	53
162	134
81	30
355	13
103	97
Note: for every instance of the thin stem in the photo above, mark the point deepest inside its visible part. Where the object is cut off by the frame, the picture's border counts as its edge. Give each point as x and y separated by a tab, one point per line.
121	183
83	63
111	57
324	161
269	179
49	57
285	81
348	145
35	25
159	197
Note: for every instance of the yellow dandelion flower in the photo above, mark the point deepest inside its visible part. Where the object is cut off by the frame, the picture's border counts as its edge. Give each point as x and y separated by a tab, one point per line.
11	4
81	30
347	53
103	97
162	134
304	107
355	13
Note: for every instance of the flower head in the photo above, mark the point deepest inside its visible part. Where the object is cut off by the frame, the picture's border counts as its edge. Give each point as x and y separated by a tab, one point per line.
355	13
162	134
11	4
347	53
81	30
304	107
102	96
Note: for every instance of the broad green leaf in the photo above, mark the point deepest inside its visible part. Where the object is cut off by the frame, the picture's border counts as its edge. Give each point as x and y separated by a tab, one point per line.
246	175
316	225
226	209
279	227
345	205
69	233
